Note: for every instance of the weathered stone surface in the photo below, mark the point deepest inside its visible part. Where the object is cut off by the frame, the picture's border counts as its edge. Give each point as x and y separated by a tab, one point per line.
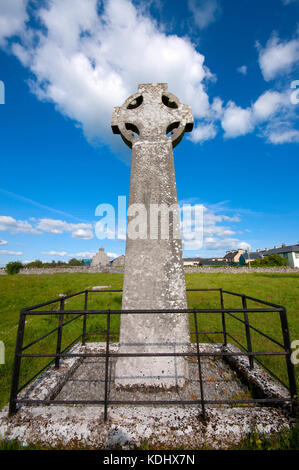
257	378
154	274
130	426
87	382
119	261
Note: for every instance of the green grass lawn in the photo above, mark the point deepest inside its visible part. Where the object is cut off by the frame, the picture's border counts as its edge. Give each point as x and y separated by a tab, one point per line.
19	291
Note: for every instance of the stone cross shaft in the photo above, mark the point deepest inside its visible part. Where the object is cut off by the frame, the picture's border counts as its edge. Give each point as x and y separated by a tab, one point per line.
152	122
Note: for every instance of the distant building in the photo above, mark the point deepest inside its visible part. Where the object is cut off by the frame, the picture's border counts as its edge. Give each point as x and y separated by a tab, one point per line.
203	262
246	257
291	252
100	259
233	256
213	262
192	261
119	261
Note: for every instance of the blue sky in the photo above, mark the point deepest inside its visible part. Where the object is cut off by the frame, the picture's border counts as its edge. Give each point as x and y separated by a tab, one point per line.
66	63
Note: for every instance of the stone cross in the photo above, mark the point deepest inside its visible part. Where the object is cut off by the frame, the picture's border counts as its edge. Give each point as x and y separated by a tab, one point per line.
152	122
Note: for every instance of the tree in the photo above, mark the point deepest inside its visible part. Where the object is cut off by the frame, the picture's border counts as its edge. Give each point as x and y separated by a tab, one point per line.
13	267
75	262
35	264
270	260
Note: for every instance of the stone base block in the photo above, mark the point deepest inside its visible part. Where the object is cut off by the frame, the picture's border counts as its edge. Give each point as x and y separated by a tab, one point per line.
162	372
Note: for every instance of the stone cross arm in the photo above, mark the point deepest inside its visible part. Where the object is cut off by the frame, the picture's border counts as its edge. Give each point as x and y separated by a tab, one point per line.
152	114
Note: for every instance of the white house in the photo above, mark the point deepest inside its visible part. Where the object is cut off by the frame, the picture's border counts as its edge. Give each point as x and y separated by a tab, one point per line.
191	261
290	252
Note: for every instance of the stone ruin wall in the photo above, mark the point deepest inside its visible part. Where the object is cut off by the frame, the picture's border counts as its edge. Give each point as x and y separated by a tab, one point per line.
108	269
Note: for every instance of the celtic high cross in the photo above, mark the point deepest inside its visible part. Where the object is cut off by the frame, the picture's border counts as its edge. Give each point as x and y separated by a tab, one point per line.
152	122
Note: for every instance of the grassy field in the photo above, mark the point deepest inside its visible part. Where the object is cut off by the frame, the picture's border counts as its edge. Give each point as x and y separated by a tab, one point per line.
21	291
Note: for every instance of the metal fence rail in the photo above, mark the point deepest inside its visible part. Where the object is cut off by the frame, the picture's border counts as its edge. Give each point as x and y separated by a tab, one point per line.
222	311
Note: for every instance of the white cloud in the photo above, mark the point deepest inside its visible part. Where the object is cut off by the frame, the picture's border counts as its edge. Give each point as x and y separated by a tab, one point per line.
3	242
272	114
206	128
273	109
83	234
242	69
268	103
204	12
214	236
12	18
12	225
216	111
278	57
82	254
215	243
235	218
203	132
86	62
7	252
82	231
281	134
55	253
236	121
79	63
212	243
113	255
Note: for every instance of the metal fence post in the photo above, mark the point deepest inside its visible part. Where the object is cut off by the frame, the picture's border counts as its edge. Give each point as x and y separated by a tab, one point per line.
247	330
59	334
199	369
223	318
84	318
17	364
289	363
107	366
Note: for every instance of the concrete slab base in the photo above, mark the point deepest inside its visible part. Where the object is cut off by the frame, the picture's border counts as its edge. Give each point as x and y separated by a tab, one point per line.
87	381
129	426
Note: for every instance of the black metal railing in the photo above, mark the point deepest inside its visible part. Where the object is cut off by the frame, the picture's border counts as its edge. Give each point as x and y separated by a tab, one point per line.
225	313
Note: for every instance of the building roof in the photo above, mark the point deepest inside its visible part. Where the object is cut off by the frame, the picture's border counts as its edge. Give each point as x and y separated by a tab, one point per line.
230	256
252	255
117	259
281	249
